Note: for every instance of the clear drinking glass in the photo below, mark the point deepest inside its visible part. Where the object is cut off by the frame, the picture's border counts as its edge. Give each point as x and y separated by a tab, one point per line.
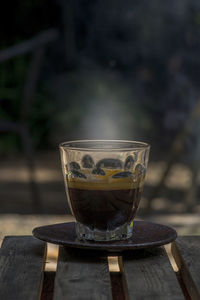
103	182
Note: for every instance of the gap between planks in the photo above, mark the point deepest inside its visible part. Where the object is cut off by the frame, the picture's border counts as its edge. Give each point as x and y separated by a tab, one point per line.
173	261
185	251
117	279
51	258
49	272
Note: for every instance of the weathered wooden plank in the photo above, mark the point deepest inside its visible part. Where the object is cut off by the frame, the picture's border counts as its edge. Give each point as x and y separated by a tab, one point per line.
81	275
186	252
22	261
149	275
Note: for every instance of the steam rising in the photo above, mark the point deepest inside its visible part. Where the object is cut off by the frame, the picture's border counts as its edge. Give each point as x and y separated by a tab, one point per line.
107	115
103	106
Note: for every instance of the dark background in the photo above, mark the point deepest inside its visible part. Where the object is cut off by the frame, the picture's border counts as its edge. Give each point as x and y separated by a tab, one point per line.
116	69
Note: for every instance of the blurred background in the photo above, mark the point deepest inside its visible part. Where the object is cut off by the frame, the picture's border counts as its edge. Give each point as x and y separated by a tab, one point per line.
106	70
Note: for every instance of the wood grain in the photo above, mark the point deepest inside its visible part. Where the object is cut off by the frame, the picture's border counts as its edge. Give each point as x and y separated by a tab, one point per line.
81	275
186	252
149	275
22	261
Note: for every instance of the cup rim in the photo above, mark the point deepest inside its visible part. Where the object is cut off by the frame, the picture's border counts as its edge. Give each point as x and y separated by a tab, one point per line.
136	145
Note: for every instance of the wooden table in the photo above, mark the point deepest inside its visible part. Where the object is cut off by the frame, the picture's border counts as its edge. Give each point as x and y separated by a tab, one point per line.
144	274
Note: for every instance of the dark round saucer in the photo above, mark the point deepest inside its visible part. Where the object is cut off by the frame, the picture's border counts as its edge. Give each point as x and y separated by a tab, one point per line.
145	235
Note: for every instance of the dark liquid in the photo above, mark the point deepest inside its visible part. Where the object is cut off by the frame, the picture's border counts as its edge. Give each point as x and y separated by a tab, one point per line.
104	209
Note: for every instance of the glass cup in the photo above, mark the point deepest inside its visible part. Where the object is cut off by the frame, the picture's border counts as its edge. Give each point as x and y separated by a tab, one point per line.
104	181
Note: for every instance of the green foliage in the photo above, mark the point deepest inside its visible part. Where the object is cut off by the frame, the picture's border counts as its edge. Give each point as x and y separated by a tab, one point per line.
42	118
12	78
